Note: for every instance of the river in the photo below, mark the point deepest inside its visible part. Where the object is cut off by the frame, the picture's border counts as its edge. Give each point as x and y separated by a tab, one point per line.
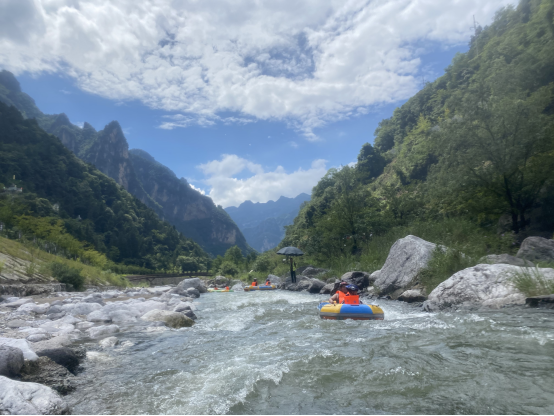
269	353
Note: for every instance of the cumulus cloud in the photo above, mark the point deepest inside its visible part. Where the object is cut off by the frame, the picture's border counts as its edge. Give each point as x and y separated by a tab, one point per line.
305	62
260	186
197	189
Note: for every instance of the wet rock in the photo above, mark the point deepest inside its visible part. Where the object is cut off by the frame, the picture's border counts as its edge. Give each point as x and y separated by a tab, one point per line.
239	287
21	344
21	398
47	372
109	342
183	306
57	327
56	316
360	279
63	356
190	314
545	301
38	337
411	296
195	283
316	286
537	249
193	293
147	306
99	331
406	258
99	316
11	361
486	285
171	319
505	259
57	308
327	288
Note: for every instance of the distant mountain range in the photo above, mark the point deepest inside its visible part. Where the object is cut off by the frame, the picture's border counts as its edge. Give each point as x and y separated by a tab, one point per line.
263	223
193	214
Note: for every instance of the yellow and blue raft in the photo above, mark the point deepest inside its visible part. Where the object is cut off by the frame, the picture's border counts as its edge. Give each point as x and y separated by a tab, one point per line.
261	287
342	311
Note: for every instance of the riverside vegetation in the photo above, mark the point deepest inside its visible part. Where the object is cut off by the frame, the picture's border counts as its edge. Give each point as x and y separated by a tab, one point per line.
466	163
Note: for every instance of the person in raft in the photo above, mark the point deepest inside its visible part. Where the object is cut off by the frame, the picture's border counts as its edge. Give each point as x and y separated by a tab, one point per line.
268	282
347	294
255	282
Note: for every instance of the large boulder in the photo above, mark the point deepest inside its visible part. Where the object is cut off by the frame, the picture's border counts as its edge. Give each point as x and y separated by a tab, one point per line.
63	356
34	308
537	249
482	285
505	259
195	283
81	308
171	319
20	344
193	292
47	372
360	279
275	280
99	316
11	361
325	290
406	258
20	398
183	306
316	286
311	271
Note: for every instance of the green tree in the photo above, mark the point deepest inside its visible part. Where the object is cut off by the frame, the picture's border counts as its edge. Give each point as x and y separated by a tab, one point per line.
187	264
234	255
262	264
228	268
502	144
370	163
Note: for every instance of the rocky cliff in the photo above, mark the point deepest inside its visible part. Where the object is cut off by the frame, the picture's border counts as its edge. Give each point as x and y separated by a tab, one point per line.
192	213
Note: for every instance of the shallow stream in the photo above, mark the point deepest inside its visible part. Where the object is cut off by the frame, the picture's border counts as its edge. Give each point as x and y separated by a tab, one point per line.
269	353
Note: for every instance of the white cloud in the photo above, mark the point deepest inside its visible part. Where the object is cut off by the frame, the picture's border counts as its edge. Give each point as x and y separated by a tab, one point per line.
305	62
261	186
197	189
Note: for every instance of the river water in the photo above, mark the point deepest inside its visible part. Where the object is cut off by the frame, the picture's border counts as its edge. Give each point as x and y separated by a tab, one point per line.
269	353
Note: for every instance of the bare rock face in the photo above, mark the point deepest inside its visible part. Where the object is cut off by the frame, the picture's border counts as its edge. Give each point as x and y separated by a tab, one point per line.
537	249
406	258
486	285
505	259
20	398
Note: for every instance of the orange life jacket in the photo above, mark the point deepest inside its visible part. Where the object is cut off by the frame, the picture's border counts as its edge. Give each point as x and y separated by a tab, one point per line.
348	298
254	284
268	283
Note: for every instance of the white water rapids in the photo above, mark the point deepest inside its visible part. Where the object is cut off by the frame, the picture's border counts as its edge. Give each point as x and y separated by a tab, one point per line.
270	353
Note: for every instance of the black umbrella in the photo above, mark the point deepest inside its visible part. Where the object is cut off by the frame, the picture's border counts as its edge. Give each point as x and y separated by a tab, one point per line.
290	251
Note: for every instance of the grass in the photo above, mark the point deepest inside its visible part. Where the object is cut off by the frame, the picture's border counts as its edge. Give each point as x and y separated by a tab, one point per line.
442	265
531	282
40	260
2	264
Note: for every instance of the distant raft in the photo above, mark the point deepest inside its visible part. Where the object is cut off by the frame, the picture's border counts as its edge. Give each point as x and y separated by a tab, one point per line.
220	290
343	311
261	287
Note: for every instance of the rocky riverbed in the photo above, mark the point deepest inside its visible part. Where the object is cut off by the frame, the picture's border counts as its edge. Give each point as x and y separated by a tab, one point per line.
41	337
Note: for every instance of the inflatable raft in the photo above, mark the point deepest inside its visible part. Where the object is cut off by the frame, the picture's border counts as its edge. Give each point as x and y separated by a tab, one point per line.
261	287
220	290
359	312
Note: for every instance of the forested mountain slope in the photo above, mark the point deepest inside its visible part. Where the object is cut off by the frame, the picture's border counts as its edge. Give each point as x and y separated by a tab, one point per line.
476	144
108	150
191	212
57	186
263	223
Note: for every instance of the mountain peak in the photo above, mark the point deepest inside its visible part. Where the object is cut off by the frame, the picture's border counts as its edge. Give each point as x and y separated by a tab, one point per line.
8	80
87	126
142	153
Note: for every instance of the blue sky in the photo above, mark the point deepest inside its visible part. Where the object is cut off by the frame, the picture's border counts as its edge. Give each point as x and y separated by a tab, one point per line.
245	100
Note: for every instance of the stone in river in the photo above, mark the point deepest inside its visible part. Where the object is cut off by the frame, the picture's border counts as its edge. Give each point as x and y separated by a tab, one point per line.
17	323
63	356
411	296
99	331
20	398
11	361
23	345
171	319
47	372
38	337
407	257
32	307
109	342
98	316
84	325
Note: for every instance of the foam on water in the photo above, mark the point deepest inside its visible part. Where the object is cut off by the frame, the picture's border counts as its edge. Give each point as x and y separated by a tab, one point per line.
269	353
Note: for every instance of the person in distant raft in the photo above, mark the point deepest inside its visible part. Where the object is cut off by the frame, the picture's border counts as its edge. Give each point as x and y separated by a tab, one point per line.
347	294
255	282
292	270
268	282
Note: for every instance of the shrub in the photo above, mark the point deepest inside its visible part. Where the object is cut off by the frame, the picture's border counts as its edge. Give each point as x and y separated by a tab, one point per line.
30	269
67	274
1	266
262	264
442	265
531	282
228	269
